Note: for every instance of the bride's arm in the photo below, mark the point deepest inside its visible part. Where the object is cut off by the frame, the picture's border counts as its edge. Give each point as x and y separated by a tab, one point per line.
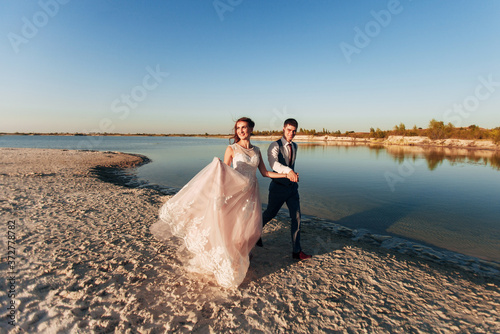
228	156
263	170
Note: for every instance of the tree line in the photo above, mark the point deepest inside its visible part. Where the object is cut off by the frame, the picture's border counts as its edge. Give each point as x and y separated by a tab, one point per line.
435	130
439	130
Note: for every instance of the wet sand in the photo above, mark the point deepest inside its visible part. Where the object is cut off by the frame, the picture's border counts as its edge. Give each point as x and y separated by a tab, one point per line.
86	262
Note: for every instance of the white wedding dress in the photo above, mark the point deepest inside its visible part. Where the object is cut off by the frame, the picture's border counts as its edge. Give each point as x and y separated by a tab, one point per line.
219	216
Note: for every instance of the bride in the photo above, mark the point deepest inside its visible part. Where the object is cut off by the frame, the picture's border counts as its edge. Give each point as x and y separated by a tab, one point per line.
218	213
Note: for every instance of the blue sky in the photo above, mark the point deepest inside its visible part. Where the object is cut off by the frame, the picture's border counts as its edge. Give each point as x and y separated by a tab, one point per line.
196	66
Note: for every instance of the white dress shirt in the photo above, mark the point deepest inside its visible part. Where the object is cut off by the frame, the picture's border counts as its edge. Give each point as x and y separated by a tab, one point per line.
272	156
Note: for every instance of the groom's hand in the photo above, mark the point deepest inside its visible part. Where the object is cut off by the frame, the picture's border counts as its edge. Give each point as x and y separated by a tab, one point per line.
292	176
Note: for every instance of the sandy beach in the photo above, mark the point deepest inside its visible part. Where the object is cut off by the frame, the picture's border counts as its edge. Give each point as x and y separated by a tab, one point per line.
85	261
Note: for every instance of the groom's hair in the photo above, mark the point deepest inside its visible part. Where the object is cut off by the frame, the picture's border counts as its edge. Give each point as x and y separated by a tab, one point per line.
292	122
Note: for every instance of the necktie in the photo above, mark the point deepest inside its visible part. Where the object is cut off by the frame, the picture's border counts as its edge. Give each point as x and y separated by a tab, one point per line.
290	154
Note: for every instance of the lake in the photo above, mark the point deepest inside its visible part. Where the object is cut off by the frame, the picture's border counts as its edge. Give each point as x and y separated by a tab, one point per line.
447	198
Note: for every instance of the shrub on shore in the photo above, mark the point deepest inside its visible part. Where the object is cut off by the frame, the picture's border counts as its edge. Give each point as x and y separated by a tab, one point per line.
435	130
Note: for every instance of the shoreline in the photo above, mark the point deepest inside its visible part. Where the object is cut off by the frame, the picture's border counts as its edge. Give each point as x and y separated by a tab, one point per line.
86	261
402	245
418	141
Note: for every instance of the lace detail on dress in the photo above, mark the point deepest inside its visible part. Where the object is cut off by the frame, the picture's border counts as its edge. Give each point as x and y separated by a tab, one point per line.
218	215
175	212
216	261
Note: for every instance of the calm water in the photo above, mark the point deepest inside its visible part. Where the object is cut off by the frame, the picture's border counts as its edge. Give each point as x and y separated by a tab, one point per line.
441	197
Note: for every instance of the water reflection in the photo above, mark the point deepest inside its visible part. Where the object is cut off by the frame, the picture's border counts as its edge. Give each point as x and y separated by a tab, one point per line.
444	196
433	155
436	155
346	144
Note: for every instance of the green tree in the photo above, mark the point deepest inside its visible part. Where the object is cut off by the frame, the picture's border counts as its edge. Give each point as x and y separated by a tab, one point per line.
380	134
400	130
436	130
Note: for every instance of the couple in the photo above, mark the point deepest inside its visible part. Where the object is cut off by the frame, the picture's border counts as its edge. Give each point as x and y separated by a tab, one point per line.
218	213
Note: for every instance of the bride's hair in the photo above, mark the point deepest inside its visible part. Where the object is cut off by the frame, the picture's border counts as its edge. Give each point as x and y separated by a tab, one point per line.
250	123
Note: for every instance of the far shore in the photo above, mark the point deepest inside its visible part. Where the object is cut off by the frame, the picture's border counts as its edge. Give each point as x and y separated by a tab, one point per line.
422	141
395	140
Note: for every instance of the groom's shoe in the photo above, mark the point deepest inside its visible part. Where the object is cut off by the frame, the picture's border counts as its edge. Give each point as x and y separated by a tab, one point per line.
301	256
259	243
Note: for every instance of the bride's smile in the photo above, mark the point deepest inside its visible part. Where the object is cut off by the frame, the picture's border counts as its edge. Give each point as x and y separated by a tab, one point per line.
243	131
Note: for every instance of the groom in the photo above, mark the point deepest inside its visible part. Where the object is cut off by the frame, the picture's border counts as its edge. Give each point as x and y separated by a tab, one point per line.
281	155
